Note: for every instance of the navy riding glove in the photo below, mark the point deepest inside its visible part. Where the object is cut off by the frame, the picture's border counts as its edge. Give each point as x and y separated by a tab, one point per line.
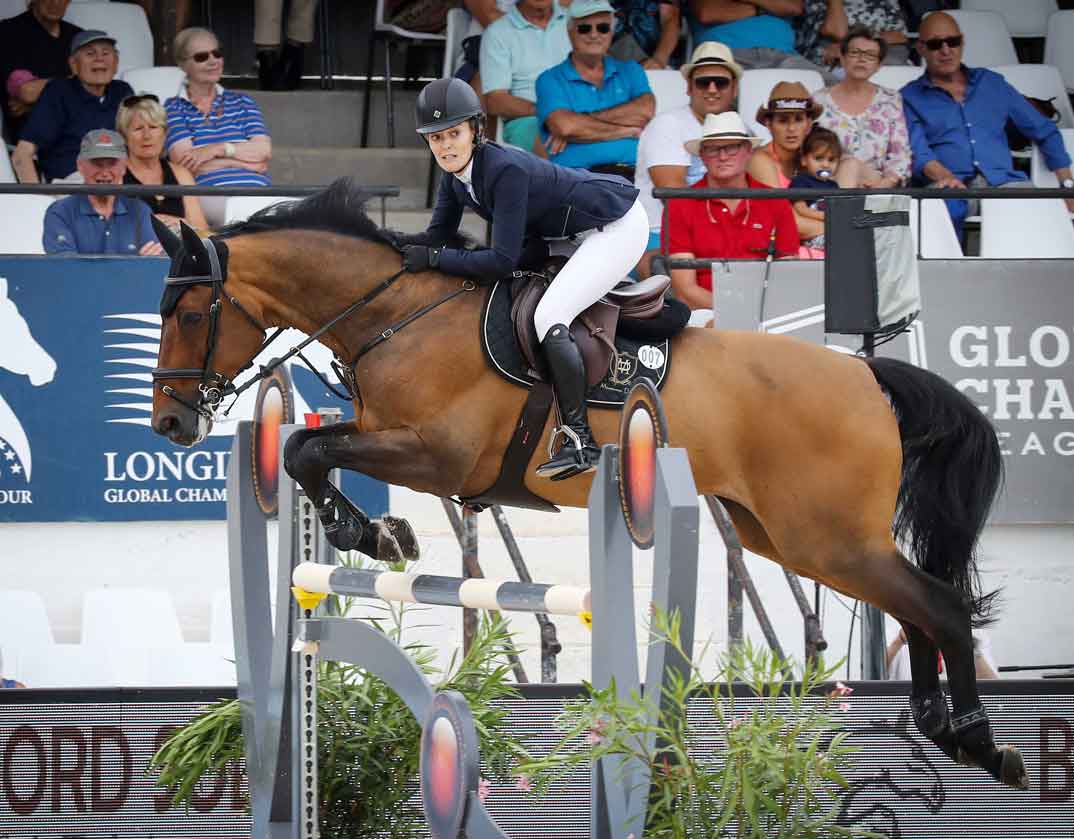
417	258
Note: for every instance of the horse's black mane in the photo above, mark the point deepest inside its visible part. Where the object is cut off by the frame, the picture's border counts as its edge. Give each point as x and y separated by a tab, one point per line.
339	208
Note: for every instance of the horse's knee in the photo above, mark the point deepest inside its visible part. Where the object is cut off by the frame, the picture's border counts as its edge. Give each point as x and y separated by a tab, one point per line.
300	454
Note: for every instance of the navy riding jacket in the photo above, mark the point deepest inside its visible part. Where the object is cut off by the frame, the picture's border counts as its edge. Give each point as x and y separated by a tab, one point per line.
522	195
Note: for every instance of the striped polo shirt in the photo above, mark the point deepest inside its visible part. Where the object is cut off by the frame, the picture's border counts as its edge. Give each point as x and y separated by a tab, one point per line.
234	118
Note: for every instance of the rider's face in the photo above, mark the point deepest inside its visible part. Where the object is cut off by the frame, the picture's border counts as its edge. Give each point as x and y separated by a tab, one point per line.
453	147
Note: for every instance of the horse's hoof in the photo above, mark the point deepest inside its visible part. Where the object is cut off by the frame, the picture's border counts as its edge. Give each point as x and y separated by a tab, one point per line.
404	536
1012	771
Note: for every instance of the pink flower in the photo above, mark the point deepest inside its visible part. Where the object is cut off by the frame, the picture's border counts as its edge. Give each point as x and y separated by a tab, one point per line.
843	690
483	790
595	736
844	706
523	784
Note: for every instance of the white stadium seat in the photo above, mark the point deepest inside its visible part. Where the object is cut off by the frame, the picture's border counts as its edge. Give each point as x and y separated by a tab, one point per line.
1057	49
669	88
1026	228
987	39
7	171
1024	18
67	666
162	82
129	617
894	76
221	629
458	22
23	619
10	8
755	86
241	207
189	665
125	22
938	237
1043	82
24	221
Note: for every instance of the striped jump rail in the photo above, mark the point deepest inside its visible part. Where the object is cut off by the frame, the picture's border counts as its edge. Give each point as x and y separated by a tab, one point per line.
431	589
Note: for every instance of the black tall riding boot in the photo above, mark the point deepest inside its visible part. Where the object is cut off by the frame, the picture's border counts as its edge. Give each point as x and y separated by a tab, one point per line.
289	70
566	369
266	68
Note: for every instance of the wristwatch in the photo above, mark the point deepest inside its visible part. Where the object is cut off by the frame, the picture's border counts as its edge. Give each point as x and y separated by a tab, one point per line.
1068	183
229	149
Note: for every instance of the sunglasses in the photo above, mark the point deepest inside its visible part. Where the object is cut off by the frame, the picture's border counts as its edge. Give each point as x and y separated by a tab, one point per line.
586	28
139	97
705	82
202	57
934	44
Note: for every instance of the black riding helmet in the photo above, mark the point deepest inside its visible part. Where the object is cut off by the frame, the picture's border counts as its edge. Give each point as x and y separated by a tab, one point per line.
447	102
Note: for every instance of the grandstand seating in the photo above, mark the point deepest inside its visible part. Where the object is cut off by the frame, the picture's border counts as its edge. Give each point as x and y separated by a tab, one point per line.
988	41
24	221
1026	228
162	82
66	666
23	619
125	22
458	21
129	617
10	8
938	239
669	88
1024	18
1042	81
7	171
221	629
755	85
894	76
243	206
1059	46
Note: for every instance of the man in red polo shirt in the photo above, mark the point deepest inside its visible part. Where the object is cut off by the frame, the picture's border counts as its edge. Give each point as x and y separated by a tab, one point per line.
727	228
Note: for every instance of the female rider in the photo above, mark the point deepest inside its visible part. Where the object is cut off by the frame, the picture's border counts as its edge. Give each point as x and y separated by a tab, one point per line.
528	200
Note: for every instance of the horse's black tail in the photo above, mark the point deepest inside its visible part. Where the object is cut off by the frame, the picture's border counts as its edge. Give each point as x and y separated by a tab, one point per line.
951	473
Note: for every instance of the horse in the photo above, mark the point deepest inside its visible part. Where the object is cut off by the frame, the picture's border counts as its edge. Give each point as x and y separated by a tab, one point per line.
826	463
23	355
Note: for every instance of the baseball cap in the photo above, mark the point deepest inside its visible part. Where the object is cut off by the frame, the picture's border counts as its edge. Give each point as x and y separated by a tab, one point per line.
100	142
89	36
712	52
585	8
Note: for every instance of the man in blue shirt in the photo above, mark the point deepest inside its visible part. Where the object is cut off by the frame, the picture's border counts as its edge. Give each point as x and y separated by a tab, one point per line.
957	117
68	108
100	224
759	32
591	108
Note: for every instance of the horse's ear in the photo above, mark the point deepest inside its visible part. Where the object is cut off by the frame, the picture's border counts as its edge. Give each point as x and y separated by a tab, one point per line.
195	245
168	240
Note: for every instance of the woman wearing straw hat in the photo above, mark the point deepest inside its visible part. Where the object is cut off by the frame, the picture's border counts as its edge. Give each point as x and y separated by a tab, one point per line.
789	114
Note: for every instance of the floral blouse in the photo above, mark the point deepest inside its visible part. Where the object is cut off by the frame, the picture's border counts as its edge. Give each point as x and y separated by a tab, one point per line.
878	15
877	136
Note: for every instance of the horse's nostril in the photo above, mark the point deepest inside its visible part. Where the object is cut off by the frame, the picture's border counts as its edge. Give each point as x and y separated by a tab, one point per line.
167	423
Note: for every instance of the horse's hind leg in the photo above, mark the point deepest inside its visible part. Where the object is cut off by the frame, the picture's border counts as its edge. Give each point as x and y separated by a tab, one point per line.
309	456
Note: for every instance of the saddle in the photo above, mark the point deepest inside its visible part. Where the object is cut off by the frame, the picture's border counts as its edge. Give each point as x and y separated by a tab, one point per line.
594	330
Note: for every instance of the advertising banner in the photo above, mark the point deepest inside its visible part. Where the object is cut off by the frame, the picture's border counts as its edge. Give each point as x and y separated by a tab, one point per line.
1000	331
79	338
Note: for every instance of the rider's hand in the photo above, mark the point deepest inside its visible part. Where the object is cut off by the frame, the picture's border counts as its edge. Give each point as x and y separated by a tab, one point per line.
418	258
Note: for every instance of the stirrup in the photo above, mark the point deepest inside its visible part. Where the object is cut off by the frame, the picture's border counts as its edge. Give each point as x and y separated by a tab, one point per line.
573	458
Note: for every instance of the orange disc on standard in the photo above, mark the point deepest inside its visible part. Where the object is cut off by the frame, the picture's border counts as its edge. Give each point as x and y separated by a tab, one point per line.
274	407
642	430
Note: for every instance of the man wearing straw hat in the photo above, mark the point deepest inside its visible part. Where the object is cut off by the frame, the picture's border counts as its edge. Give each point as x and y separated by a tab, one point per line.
728	228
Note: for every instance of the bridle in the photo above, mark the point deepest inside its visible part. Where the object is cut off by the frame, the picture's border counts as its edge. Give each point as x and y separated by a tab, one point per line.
214	386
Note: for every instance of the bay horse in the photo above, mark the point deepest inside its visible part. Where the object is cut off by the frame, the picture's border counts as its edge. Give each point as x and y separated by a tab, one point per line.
826	463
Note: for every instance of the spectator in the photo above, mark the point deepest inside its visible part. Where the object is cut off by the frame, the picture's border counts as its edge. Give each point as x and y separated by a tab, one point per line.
646	31
726	228
68	108
515	50
592	107
825	24
282	69
712	84
957	117
868	119
100	224
218	134
821	153
143	123
897	658
182	11
34	48
759	32
789	114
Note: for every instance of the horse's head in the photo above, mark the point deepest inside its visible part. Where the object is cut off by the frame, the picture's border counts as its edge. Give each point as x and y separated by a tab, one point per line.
21	353
206	337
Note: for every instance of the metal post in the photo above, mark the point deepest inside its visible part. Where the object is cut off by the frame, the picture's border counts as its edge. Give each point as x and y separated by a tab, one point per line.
734	586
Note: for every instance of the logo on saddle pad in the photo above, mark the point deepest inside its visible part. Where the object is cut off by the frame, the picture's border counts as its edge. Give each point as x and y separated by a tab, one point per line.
622	368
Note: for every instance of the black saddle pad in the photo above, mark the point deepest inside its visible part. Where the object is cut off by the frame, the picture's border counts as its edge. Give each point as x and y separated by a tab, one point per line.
638	357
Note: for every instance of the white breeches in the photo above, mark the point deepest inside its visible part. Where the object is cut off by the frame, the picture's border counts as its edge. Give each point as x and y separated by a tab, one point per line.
602	260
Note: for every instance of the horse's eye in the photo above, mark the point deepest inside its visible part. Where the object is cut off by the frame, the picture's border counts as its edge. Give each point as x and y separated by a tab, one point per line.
190	318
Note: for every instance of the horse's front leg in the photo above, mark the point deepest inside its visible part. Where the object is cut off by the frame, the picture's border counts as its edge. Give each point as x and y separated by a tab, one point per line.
310	455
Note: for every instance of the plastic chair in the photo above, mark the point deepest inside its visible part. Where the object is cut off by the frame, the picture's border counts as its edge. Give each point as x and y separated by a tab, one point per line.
7	171
67	666
163	82
241	207
1039	173
1057	50
10	8
190	665
458	23
129	617
1042	81
389	33
221	629
755	85
938	239
1024	18
24	221
987	40
125	22
23	619
669	88
895	77
1025	228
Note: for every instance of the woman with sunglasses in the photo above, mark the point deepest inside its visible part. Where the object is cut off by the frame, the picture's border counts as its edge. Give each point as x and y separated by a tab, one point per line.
789	115
528	200
143	122
218	134
868	119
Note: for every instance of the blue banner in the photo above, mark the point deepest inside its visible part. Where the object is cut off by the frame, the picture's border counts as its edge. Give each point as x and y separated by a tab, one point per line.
79	338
